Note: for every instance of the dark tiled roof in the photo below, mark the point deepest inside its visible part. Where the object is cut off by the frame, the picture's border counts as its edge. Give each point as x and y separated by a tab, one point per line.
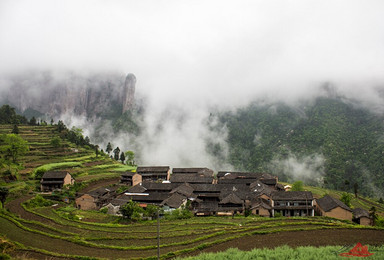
328	203
235	181
359	212
231	198
99	192
128	174
190	178
205	187
152	169
250	175
291	195
55	175
258	188
138	188
174	201
204	171
184	189
260	202
269	181
158	186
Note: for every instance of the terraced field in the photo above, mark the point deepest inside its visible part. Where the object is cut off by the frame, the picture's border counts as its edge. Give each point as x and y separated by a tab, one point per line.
45	233
52	235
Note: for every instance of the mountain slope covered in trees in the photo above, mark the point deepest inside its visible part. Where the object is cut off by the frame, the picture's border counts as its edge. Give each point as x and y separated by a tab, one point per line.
329	142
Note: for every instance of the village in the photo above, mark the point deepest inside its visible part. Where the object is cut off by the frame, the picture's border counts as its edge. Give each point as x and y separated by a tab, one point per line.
204	193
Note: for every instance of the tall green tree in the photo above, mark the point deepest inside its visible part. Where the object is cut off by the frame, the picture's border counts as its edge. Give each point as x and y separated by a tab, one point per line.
356	189
8	116
131	210
122	157
61	126
109	148
346	198
33	121
13	146
56	142
130	157
116	153
373	215
15	129
297	186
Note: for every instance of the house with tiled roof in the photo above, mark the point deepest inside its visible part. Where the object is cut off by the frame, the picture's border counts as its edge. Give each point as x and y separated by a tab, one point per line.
95	199
54	180
331	207
175	201
131	178
261	207
292	203
154	173
230	204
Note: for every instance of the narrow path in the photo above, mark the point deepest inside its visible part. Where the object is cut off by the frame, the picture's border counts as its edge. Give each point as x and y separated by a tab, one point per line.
100	183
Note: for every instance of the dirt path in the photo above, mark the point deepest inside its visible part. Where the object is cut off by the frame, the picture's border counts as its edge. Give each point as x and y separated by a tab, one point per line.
100	183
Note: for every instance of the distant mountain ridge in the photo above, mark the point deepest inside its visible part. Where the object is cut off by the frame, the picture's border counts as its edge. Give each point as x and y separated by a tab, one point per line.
95	95
330	142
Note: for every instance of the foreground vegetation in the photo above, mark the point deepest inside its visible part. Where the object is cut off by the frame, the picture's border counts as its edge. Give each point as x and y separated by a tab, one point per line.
285	252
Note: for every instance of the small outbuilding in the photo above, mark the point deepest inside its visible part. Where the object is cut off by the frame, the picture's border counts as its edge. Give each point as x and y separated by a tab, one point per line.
361	216
331	207
261	207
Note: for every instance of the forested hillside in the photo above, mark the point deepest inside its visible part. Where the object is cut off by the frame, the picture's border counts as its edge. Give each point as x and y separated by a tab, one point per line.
338	144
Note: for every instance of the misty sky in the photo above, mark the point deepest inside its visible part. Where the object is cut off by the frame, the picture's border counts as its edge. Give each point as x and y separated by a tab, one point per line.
194	54
199	51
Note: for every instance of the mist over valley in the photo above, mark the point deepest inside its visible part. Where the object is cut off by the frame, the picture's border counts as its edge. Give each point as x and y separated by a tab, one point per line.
291	89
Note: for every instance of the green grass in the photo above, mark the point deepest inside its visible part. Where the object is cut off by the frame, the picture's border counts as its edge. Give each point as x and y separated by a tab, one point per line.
285	252
59	165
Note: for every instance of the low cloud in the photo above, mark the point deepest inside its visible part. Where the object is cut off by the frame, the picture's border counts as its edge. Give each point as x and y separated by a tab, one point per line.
309	169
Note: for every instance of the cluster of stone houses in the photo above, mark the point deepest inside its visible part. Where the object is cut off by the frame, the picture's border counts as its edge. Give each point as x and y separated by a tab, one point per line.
227	193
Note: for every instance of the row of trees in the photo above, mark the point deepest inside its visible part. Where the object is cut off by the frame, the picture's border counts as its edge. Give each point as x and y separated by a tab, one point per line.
127	157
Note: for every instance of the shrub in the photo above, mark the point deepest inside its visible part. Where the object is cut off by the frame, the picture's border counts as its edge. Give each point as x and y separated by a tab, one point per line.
4	256
277	215
39	173
297	186
346	198
38	201
56	142
104	210
131	210
150	211
182	213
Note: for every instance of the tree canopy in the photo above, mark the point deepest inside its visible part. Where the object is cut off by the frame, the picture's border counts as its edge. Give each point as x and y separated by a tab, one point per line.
8	116
13	146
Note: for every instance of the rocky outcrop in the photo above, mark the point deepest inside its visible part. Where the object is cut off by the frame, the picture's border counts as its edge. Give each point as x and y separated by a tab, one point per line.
100	95
129	92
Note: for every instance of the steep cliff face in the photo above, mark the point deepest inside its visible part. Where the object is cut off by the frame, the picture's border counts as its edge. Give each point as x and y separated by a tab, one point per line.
129	92
101	95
